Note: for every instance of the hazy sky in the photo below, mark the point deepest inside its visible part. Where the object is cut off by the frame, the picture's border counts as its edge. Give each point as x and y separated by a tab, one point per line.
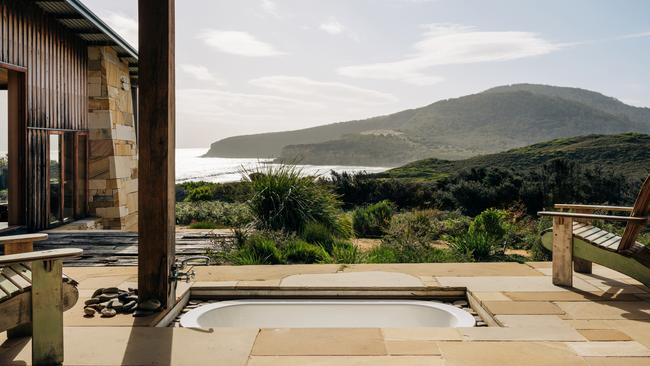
252	66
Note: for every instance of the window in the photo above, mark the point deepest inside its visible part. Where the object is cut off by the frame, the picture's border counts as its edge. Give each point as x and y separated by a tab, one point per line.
68	173
55	177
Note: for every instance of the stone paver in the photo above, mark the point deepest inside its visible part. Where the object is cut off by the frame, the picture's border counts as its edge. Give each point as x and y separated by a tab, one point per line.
352	279
511	284
553	334
604	335
421	334
319	342
490	296
256	273
450	269
412	348
522	308
570	296
108	346
606	310
508	353
528	321
346	361
617	361
610	349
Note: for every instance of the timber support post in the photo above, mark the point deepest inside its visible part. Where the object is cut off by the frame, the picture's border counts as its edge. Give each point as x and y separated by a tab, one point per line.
156	111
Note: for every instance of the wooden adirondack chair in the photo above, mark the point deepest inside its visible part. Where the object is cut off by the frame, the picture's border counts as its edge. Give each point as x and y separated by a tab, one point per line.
33	295
574	239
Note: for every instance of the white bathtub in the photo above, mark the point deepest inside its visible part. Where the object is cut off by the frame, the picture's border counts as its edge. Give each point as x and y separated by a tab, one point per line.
326	314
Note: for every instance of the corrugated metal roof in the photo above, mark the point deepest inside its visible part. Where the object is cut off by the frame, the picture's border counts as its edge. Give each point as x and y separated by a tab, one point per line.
89	27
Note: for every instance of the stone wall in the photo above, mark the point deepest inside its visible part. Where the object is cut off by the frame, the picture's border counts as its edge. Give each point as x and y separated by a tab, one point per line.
113	159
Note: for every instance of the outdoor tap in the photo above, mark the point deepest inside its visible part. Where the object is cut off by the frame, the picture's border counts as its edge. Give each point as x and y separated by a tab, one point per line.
177	269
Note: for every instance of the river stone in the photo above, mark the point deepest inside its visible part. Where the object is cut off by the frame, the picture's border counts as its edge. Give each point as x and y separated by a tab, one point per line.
111	290
149	305
130	305
115	304
108	313
123	296
89	312
97	292
92	301
107	297
133	290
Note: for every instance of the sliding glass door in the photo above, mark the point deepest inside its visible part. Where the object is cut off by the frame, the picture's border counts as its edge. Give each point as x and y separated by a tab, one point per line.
68	176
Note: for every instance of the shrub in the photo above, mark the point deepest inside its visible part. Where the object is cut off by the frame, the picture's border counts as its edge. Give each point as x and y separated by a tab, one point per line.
298	251
218	213
373	220
202	193
263	248
474	246
426	226
344	252
317	233
285	200
492	222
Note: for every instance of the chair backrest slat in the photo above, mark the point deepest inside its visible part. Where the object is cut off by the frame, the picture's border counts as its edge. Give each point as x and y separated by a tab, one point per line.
641	209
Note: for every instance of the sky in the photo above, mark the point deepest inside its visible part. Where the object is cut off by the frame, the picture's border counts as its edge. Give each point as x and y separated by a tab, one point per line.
251	66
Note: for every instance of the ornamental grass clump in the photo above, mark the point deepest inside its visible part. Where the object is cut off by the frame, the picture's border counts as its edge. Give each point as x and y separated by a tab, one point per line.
286	200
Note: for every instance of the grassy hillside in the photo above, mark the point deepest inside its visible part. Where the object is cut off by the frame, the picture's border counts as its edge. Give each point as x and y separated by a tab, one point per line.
498	119
625	153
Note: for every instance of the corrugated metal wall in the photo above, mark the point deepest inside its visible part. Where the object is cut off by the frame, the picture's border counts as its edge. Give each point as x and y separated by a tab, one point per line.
56	63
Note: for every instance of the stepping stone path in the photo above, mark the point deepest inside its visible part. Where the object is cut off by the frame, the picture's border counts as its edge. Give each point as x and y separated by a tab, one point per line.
111	301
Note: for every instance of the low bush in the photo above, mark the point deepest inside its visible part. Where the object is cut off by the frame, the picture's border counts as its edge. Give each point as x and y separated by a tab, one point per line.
373	220
474	246
286	200
262	248
317	233
218	213
202	193
300	252
344	252
491	222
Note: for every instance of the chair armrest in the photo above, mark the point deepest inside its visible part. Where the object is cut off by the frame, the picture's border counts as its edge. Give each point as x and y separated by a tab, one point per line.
638	220
569	206
40	256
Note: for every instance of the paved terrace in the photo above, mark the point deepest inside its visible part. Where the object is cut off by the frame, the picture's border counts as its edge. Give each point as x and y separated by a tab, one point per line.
604	320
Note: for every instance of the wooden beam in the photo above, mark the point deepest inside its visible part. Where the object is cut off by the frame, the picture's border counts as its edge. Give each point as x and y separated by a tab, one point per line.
156	197
562	251
47	312
17	137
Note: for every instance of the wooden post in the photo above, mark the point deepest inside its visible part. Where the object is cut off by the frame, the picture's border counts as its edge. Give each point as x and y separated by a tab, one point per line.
17	138
582	265
47	312
156	110
562	251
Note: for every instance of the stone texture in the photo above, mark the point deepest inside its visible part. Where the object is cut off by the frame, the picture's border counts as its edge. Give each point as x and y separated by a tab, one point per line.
412	348
113	154
559	334
508	353
512	284
421	334
604	335
522	308
606	310
610	349
319	342
347	361
353	279
617	361
528	321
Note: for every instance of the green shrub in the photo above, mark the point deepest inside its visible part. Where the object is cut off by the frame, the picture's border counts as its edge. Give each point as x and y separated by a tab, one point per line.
263	248
382	254
474	246
344	252
300	252
203	225
404	253
373	220
491	222
283	199
218	213
316	233
201	193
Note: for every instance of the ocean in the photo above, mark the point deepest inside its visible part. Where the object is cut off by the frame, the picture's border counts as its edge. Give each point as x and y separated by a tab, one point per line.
190	166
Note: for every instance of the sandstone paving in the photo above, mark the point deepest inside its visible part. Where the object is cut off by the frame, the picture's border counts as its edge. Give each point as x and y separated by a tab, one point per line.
610	349
531	321
512	284
346	361
522	308
606	310
604	335
319	342
508	353
353	279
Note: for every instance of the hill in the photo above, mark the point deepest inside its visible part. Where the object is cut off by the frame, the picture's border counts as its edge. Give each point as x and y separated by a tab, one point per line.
628	154
495	120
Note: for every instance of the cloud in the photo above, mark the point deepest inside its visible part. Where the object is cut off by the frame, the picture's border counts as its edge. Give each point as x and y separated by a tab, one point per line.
125	26
270	7
453	44
201	73
238	43
332	26
322	90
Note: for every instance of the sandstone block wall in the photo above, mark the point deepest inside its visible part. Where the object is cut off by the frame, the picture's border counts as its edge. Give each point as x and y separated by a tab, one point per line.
113	157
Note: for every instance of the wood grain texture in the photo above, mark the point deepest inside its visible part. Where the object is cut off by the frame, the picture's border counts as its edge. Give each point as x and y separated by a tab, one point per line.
562	251
156	201
641	209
